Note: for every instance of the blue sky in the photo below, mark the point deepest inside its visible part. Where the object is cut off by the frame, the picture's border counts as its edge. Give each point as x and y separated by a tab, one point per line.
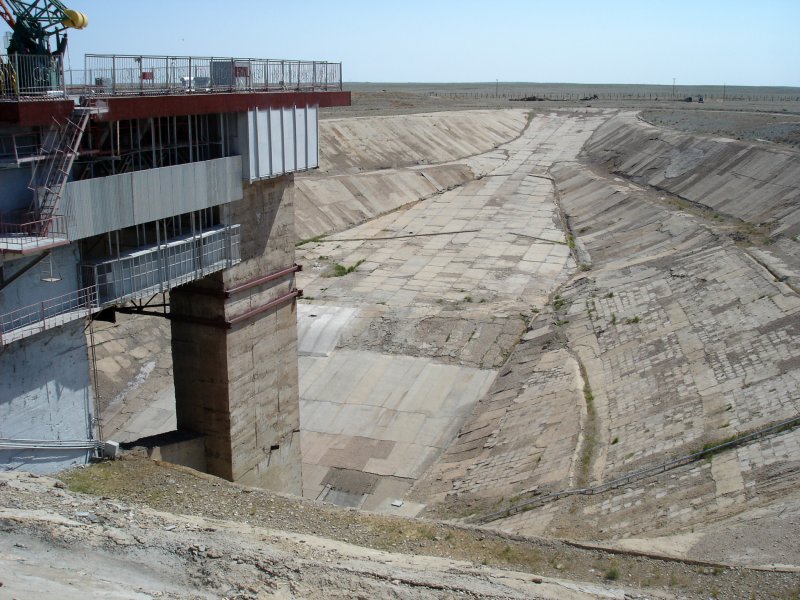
697	42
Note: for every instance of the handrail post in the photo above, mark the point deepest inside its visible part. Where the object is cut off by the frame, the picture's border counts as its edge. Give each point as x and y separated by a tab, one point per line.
114	75
61	75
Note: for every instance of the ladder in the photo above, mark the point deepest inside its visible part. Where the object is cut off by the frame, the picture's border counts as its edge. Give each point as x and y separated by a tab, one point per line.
59	149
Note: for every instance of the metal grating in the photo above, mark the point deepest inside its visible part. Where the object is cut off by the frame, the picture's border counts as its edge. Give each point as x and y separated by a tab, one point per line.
159	268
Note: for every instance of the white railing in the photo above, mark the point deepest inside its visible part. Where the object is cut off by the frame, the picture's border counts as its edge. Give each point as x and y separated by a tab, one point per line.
20	231
32	76
161	267
114	75
47	314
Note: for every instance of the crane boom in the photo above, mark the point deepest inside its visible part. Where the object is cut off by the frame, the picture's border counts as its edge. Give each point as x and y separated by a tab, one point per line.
6	15
34	22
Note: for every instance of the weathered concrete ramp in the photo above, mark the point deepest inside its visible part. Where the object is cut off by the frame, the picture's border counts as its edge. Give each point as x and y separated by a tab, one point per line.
328	204
375	143
319	328
444	290
372	166
753	182
691	338
371	423
520	439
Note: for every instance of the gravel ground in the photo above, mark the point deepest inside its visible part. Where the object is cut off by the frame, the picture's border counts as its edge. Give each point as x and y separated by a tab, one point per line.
779	128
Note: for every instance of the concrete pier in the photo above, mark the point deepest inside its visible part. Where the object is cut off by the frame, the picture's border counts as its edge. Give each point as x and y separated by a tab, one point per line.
234	347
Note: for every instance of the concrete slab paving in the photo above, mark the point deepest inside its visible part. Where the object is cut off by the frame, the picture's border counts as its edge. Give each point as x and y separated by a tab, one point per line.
444	289
399	423
319	328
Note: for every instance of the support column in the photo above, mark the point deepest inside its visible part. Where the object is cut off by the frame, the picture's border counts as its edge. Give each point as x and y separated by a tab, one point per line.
235	357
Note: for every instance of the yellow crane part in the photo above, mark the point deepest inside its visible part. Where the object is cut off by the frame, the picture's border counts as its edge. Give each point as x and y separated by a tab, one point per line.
75	19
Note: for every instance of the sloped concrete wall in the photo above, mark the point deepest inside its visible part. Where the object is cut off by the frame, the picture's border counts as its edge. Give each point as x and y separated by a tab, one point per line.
46	395
336	203
754	182
383	163
372	143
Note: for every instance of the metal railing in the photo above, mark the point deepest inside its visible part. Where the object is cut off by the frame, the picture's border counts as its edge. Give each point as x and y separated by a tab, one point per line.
53	312
32	76
20	147
161	267
115	75
25	76
20	231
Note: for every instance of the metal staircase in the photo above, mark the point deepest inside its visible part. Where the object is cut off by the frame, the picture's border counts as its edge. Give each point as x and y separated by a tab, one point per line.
59	148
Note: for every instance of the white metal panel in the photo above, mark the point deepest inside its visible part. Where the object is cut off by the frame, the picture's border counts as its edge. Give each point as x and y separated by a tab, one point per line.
300	141
276	141
289	145
313	137
261	132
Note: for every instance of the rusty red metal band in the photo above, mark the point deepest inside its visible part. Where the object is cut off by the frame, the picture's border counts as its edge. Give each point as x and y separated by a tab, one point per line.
255	282
228	323
262	309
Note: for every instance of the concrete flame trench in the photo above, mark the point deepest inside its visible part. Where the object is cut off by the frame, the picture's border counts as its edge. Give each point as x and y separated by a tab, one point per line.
394	355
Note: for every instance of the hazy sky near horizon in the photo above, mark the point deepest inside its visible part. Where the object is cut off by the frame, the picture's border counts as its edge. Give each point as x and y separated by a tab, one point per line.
736	42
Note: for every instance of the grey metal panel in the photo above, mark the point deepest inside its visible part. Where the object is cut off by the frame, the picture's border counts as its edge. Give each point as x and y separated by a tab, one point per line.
313	137
243	143
260	132
279	141
96	206
289	140
276	141
300	142
143	187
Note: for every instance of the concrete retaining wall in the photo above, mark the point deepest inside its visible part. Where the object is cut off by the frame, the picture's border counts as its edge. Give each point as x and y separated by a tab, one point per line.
379	163
336	203
372	143
754	182
46	395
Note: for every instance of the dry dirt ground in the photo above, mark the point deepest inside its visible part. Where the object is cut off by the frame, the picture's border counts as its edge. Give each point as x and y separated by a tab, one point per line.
141	529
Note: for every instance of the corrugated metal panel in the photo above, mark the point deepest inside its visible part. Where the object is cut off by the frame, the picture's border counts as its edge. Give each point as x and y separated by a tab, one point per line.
279	140
313	137
301	143
276	142
96	206
289	145
260	129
